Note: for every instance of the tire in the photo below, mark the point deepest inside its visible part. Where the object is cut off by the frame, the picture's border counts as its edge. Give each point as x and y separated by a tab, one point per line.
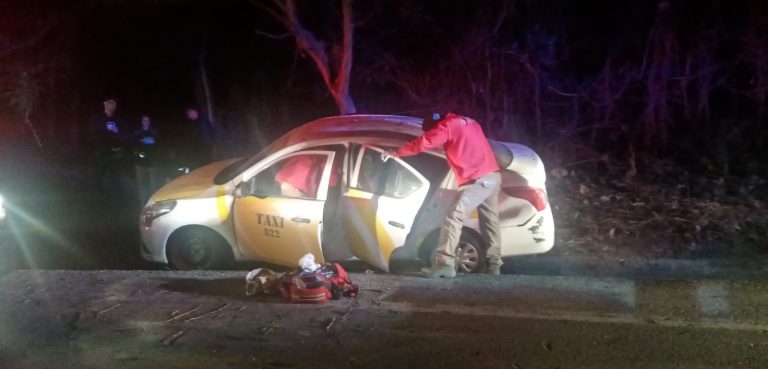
198	248
471	253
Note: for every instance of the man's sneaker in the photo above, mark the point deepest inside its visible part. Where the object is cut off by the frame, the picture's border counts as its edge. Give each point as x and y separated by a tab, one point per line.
439	271
494	269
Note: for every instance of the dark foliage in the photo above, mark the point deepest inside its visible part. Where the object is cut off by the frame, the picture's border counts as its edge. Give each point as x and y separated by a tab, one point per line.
582	82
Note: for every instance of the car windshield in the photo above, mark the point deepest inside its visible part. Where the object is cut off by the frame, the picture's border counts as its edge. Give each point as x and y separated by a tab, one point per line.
232	170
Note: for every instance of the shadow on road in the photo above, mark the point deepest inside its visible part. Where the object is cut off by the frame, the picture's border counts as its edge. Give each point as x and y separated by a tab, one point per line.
233	288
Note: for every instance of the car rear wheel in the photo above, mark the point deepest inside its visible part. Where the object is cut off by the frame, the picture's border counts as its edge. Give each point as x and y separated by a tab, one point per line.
470	253
198	248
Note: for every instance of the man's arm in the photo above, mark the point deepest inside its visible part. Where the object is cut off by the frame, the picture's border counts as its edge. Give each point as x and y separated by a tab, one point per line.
431	139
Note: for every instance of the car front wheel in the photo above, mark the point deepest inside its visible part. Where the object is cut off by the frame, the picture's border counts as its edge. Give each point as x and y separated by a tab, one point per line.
198	248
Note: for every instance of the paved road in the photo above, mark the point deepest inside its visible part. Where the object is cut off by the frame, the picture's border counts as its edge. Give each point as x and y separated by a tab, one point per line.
122	319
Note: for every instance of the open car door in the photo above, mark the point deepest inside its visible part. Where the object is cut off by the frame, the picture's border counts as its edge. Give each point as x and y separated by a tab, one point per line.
279	211
381	204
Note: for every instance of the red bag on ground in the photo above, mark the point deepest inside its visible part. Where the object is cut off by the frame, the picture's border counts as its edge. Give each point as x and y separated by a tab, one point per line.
340	284
305	288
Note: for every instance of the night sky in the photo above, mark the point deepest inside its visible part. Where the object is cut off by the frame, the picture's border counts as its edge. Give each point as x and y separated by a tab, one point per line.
642	72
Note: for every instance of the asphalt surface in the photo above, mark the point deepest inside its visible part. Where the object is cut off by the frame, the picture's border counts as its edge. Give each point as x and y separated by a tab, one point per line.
134	319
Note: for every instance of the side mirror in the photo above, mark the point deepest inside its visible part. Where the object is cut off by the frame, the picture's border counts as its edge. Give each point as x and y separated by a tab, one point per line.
238	192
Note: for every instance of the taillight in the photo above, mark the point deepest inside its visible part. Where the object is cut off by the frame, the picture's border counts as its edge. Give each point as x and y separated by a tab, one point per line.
535	196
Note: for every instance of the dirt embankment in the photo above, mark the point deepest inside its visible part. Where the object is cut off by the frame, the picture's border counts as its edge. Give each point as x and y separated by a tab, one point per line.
666	212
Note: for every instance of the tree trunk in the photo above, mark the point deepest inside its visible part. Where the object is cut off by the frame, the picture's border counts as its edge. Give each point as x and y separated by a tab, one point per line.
206	88
343	99
338	86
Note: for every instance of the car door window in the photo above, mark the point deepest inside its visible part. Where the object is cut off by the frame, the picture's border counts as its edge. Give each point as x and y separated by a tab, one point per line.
434	168
297	176
388	178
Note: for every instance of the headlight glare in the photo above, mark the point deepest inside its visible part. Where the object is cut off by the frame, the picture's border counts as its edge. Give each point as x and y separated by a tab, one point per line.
154	211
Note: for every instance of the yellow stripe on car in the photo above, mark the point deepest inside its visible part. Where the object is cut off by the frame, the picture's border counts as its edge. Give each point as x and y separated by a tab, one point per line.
221	202
386	246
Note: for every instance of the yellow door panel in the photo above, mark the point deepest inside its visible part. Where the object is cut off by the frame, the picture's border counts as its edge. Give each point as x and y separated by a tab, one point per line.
279	230
368	240
279	211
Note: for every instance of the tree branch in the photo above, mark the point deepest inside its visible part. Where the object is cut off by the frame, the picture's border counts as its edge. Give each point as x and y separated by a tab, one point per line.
345	67
42	31
306	41
278	14
272	35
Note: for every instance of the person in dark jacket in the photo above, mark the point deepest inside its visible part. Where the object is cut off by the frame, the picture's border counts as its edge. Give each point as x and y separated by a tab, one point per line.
107	144
147	159
197	146
477	174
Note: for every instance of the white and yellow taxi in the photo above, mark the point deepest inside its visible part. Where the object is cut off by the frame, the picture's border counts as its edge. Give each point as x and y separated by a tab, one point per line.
322	188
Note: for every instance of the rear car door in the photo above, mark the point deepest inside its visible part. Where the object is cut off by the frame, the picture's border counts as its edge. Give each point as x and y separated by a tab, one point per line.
279	211
381	204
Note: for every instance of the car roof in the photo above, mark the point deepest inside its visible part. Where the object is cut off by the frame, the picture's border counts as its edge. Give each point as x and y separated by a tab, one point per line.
357	125
336	127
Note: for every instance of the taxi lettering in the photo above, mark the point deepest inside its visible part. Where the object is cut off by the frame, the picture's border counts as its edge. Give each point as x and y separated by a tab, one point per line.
270	220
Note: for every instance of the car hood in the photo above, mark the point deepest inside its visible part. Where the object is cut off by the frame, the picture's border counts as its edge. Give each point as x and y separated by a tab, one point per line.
193	184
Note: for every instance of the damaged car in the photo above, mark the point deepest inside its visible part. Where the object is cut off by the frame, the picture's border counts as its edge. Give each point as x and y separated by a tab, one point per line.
323	189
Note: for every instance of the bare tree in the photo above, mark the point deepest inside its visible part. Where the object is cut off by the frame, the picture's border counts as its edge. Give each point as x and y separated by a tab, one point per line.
24	98
28	60
336	70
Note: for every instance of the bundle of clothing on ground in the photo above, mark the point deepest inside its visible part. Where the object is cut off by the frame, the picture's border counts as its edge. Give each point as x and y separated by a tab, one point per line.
309	283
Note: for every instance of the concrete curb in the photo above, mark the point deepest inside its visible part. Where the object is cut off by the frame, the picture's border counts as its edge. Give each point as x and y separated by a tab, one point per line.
638	268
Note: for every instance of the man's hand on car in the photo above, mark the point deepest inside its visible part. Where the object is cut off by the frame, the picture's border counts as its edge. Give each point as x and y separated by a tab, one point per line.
386	155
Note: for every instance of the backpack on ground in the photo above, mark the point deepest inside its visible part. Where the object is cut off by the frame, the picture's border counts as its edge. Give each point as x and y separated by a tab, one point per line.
300	287
339	282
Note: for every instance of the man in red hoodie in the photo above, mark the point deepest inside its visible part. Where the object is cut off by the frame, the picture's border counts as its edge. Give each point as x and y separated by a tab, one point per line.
477	174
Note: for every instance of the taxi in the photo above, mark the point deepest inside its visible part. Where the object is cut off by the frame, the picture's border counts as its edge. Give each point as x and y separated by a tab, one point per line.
322	188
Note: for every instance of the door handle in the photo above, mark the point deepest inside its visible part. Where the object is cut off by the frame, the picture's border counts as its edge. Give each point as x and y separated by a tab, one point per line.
300	220
396	224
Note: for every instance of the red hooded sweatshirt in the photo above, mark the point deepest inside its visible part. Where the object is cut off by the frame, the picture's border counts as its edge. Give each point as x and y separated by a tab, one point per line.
465	145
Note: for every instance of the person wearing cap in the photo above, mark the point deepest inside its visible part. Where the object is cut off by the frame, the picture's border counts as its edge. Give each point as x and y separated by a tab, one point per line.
477	174
106	141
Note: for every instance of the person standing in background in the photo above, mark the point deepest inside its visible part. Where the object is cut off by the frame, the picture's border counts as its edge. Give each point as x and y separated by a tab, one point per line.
107	145
198	145
146	159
